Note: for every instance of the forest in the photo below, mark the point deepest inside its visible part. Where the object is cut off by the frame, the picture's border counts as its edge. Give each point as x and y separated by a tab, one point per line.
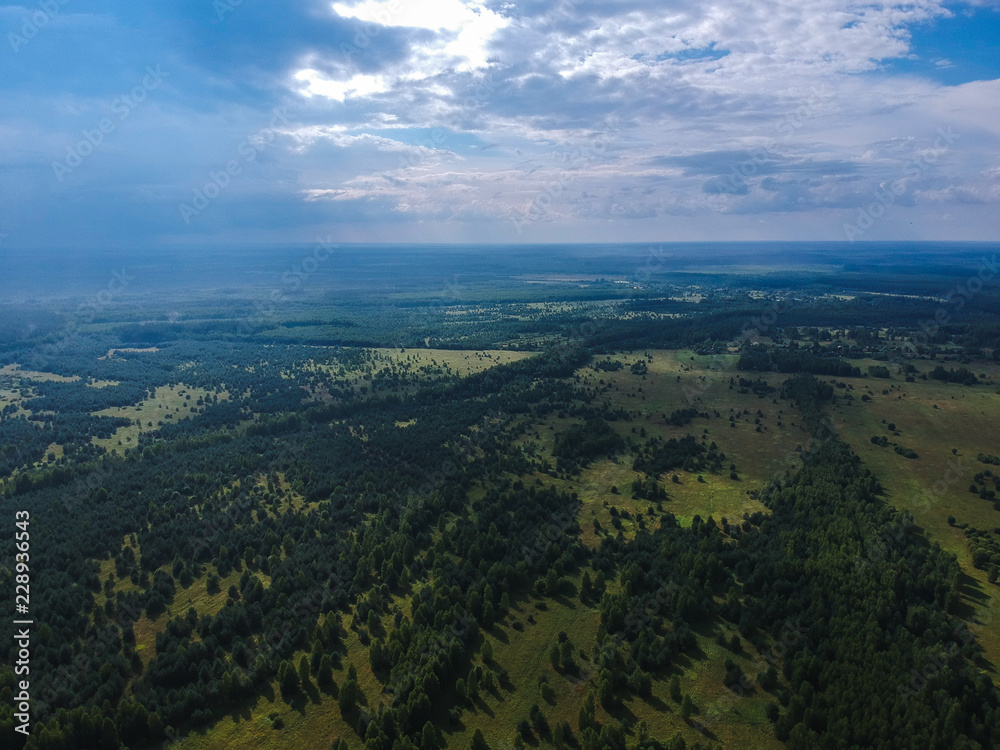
671	514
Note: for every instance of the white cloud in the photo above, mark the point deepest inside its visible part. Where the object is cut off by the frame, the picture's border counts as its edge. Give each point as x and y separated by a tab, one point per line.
804	80
464	29
361	85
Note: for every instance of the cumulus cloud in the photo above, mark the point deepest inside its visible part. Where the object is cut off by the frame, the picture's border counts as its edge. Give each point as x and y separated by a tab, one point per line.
533	116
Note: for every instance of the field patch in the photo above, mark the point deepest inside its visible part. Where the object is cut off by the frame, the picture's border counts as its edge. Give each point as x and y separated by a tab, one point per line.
947	425
15	371
170	403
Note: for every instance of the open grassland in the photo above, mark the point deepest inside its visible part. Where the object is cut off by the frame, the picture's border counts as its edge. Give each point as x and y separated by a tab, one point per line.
947	425
131	349
13	389
10	393
287	501
461	362
721	715
523	653
169	403
762	435
195	596
681	380
673	381
14	371
401	371
519	664
310	719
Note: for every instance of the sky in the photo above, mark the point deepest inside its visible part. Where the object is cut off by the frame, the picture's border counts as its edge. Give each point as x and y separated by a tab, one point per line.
217	122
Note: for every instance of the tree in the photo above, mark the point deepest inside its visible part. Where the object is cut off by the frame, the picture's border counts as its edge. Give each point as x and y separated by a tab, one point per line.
315	656
554	655
474	604
479	742
375	737
304	670
586	586
546	692
639	682
687	708
606	689
347	701
769	678
109	734
538	720
524	729
376	656
559	734
587	713
324	675
675	689
428	737
473	683
566	654
288	680
489	681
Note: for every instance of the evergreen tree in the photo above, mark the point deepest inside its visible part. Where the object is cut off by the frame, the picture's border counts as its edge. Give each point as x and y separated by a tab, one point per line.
687	707
478	741
288	680
324	675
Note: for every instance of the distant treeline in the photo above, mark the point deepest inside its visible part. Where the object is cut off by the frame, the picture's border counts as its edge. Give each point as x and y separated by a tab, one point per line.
774	359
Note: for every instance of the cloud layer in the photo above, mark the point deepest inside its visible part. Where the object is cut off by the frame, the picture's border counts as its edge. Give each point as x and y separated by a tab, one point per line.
452	120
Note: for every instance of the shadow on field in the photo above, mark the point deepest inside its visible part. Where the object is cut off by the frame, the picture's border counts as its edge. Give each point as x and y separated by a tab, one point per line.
480	705
499	633
701	729
655	703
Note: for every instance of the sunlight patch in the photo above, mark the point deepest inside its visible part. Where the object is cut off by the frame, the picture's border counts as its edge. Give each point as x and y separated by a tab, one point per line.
360	85
465	28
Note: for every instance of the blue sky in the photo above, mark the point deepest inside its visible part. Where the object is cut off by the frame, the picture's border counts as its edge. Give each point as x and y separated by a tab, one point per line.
200	122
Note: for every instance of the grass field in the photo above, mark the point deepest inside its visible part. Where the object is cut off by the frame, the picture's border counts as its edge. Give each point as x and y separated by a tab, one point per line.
14	371
721	715
933	419
311	720
14	391
761	434
458	361
400	371
12	394
170	403
195	596
678	380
